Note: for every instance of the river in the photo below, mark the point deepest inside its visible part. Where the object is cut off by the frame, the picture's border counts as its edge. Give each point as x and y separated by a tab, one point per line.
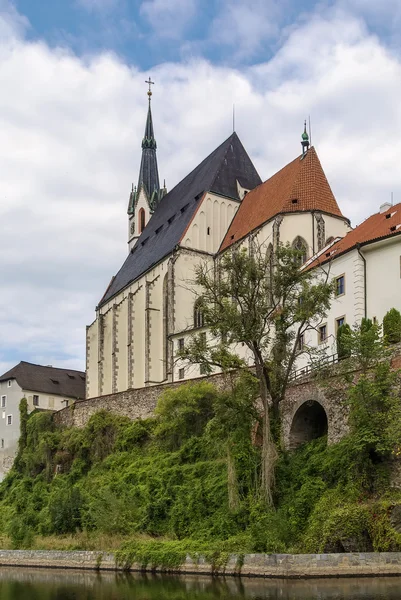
38	584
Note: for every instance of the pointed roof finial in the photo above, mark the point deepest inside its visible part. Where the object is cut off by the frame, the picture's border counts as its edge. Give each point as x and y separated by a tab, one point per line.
305	141
150	82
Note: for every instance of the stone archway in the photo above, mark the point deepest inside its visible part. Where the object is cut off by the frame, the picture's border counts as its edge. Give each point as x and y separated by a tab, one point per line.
309	423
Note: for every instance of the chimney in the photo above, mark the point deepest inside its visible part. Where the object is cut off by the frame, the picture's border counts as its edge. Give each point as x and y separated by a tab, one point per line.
384	207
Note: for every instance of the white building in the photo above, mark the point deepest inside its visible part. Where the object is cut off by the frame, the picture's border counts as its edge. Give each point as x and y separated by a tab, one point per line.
366	265
45	388
149	307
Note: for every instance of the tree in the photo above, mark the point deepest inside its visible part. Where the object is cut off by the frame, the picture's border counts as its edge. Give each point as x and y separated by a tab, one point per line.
23	416
263	302
343	333
373	400
392	326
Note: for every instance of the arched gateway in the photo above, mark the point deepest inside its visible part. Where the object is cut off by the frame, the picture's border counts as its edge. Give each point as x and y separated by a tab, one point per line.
309	423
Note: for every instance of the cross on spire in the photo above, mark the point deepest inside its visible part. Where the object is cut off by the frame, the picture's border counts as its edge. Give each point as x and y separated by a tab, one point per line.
150	82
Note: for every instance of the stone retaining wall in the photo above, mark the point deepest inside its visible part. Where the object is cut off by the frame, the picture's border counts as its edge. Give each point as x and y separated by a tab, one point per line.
136	403
250	565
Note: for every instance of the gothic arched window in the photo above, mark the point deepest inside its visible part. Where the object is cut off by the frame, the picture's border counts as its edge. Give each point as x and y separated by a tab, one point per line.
199	317
141	220
301	246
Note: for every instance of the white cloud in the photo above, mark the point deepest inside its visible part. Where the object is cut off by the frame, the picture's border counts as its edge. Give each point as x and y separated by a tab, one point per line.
70	134
246	27
11	22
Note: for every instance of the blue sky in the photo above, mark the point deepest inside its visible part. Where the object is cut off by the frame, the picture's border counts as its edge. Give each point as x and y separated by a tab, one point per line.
73	108
150	32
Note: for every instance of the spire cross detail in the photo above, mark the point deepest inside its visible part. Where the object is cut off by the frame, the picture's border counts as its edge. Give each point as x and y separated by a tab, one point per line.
150	82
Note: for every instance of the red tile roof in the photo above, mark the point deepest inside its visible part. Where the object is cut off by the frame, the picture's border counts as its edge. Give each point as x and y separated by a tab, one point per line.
299	186
376	227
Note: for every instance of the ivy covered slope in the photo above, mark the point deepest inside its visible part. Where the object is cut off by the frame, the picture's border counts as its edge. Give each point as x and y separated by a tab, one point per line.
189	479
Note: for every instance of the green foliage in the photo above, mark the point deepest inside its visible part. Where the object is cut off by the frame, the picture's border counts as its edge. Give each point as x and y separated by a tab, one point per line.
392	326
23	415
263	301
184	413
343	334
187	480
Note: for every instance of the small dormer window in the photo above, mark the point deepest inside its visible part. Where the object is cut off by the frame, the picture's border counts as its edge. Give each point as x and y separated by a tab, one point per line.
294	200
55	381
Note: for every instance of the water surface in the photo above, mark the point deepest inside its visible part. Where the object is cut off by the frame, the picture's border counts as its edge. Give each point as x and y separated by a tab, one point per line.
43	584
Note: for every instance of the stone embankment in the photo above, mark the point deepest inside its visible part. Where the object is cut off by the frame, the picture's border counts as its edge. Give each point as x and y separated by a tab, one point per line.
249	565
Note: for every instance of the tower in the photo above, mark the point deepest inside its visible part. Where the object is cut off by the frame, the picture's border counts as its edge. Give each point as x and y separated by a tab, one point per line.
146	196
305	141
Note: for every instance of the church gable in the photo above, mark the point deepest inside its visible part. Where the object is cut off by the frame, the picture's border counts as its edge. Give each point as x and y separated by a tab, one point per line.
301	186
209	223
218	173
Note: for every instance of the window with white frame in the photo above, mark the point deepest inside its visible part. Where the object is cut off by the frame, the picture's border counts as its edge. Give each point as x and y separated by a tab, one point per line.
9	419
35	400
181	373
9	382
3	401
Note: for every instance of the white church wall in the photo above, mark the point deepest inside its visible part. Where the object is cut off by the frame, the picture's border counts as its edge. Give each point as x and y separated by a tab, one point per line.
134	225
121	376
138	333
347	306
107	352
383	277
92	357
334	227
154	317
210	223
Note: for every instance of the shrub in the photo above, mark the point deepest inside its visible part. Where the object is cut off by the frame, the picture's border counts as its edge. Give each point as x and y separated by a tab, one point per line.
343	334
392	326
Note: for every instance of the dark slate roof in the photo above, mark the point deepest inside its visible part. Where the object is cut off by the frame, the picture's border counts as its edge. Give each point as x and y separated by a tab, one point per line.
218	173
148	172
48	380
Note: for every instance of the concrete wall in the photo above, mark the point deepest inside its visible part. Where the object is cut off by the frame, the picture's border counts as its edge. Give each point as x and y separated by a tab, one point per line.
255	565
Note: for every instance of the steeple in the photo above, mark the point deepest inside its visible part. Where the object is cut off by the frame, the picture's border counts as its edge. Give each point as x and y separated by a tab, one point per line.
148	173
305	141
144	198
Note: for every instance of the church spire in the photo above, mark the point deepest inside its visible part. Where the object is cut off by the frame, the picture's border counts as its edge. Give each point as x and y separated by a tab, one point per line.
148	173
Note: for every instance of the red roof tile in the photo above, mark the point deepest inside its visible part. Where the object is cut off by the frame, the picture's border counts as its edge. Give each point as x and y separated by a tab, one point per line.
299	186
375	227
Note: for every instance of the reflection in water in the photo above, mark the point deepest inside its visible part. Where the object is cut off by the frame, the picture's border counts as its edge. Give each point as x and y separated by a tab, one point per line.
37	584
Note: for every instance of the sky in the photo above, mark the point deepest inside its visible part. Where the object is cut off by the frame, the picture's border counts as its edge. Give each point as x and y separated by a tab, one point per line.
73	107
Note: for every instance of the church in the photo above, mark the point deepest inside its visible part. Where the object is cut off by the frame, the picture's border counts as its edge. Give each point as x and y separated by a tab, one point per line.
150	308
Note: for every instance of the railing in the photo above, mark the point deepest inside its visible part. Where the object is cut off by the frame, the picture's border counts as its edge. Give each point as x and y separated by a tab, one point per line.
324	362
